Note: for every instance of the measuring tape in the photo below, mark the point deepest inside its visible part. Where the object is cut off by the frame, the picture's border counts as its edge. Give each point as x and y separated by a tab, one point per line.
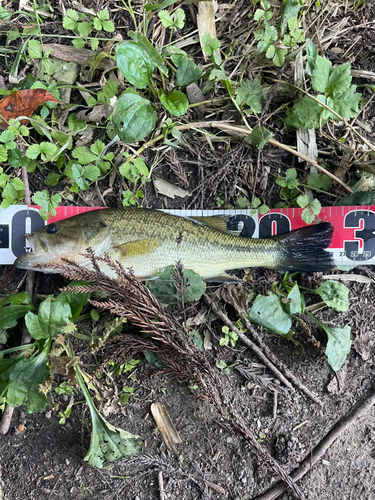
353	242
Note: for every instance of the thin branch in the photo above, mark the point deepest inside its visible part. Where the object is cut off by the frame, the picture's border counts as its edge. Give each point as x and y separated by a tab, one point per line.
358	411
270	355
244	132
249	343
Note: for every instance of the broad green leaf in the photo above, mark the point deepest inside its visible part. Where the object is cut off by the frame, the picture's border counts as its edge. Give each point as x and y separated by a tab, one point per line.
85	28
303	200
16	299
134	64
11	314
33	151
259	14
6	367
166	19
347	103
35	49
338	346
334	294
103	15
279	57
305	113
295	302
209	44
289	9
165	290
47	203
134	118
295	31
339	80
108	443
357	198
149	50
25	379
92	172
269	36
270	52
84	155
269	312
175	102
75	123
320	74
187	71
311	54
250	93
259	137
319	181
108	26
51	320
72	14
179	18
3	153
76	301
153	359
110	88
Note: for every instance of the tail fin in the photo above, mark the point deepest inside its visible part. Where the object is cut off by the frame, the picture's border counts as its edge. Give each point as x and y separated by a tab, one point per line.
304	249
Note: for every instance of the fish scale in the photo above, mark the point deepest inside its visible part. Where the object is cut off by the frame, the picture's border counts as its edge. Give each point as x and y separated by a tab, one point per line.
208	251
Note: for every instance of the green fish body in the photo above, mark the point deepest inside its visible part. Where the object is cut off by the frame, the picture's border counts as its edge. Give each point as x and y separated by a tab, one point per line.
149	240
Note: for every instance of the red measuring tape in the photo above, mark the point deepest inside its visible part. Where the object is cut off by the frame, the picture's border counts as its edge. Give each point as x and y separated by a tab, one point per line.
353	242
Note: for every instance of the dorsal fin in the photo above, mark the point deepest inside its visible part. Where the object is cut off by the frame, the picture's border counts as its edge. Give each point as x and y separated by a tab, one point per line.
218	222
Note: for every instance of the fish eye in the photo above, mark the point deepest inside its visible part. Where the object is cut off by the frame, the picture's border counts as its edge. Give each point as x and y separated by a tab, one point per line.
51	229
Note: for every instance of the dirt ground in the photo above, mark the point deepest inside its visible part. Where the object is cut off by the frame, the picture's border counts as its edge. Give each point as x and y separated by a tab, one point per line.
45	460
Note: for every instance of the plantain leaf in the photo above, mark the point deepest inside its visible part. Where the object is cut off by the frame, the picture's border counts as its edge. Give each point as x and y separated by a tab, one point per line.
338	346
269	312
175	102
135	64
165	290
134	117
334	294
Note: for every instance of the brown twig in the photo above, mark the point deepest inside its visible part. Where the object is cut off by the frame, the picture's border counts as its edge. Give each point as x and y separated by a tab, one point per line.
242	132
161	486
6	419
247	341
270	355
358	411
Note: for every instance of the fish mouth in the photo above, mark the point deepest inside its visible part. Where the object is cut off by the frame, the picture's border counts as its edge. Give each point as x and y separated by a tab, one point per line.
38	258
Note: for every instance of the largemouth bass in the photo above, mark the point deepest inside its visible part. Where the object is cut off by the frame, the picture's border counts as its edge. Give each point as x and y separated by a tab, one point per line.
149	240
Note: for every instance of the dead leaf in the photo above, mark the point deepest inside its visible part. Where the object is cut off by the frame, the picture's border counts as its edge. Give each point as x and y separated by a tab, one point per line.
167	189
22	103
165	426
206	21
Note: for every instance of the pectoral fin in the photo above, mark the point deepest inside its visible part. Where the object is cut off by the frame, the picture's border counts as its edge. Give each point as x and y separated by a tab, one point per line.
138	247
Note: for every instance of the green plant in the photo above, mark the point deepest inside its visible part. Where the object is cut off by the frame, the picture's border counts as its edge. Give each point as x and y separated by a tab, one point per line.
26	377
134	171
230	338
177	21
275	312
292	193
108	443
277	42
171	287
333	88
85	24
